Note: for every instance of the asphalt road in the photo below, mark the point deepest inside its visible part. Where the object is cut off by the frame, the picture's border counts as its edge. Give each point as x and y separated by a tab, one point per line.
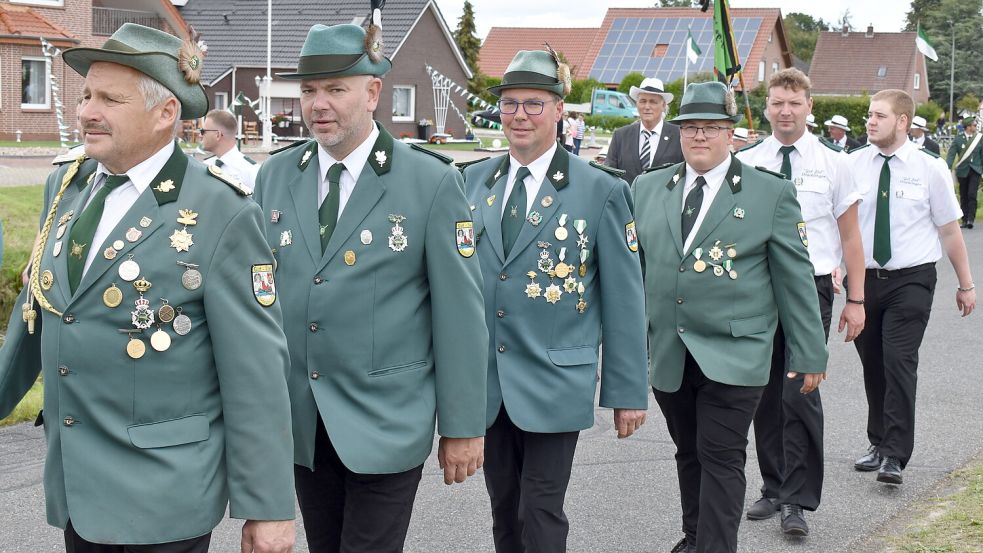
623	496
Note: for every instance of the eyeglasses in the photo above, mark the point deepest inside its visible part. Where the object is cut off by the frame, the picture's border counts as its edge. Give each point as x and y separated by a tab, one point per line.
531	107
203	131
709	131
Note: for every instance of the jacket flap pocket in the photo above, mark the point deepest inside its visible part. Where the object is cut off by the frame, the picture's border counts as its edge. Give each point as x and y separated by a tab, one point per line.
568	357
395	369
185	430
751	325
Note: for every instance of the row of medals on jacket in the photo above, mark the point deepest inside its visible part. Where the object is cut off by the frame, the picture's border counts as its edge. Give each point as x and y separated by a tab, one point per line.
561	274
143	317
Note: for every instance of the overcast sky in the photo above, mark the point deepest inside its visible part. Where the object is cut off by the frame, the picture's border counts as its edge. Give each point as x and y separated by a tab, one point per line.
885	15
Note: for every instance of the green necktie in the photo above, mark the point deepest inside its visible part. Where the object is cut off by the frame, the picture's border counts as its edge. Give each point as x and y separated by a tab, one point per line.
694	201
328	214
882	218
515	210
787	161
80	241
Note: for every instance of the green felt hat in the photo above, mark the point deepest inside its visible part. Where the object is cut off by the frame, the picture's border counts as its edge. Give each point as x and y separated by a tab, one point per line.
538	69
167	59
969	121
706	101
340	51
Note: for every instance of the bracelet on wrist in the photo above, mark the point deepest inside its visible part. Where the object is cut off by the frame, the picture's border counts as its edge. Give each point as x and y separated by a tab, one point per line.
857	302
969	289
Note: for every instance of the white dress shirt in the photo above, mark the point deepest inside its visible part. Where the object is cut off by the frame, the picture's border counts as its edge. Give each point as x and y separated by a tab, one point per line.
822	186
537	172
715	178
922	199
653	139
235	164
354	164
120	200
918	140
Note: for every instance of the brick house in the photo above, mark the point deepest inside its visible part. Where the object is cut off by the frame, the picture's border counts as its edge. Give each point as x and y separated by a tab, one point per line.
855	63
650	41
28	102
414	35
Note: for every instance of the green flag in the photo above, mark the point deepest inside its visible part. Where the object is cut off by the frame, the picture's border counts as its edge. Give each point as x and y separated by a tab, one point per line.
924	46
726	64
692	50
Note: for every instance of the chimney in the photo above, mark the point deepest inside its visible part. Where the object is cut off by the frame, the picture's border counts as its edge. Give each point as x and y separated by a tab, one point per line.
846	30
870	31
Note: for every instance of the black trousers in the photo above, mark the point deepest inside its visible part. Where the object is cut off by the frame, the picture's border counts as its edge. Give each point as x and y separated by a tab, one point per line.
788	425
347	512
898	305
526	474
76	544
709	423
968	188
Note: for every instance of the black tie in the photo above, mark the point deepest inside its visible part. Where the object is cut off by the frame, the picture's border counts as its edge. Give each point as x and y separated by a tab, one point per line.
694	201
787	161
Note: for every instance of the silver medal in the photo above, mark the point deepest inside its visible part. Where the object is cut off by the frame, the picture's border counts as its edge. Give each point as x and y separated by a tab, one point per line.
182	323
160	340
191	279
366	236
129	270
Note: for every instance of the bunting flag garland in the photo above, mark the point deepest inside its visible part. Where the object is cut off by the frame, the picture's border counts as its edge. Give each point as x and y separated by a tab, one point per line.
440	79
50	53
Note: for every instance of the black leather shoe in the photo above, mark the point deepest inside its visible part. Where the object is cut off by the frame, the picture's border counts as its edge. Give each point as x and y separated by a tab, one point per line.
964	225
969	226
683	547
890	472
762	509
869	462
793	521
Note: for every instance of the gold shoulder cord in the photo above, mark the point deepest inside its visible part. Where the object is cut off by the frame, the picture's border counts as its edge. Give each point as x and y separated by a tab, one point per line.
29	313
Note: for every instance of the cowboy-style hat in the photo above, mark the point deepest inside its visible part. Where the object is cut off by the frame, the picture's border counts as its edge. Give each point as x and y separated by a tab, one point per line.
163	57
650	85
919	122
839	122
537	69
707	101
811	121
339	51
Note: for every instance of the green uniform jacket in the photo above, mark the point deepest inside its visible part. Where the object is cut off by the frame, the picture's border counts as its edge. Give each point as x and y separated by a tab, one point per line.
152	450
727	324
974	159
381	342
543	356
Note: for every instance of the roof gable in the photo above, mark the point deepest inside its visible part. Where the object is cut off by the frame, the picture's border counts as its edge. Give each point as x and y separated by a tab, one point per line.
502	43
22	21
888	61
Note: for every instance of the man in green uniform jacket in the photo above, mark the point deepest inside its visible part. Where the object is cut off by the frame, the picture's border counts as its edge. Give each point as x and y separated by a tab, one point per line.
164	364
382	312
724	254
968	148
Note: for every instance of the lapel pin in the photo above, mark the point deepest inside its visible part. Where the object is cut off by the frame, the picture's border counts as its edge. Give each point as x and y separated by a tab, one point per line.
491	200
380	158
739	212
165	186
558	176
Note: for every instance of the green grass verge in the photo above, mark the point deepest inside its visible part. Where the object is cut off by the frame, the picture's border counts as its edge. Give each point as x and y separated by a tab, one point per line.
19	211
468	147
27	409
951	523
32	144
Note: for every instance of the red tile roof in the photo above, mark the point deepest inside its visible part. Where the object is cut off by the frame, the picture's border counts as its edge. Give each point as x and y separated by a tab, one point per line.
850	64
23	21
502	43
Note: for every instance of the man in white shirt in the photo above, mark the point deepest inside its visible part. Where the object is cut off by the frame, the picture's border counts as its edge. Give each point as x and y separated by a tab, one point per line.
218	136
650	141
909	215
788	426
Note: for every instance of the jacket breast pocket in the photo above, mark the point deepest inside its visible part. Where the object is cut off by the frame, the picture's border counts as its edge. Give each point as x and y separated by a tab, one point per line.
185	430
749	326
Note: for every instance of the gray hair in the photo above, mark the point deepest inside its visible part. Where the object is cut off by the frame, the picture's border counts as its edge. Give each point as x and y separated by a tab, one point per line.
155	94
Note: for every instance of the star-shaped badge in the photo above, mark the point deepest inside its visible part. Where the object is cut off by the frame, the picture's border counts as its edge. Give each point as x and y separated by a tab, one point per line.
165	186
380	158
570	285
553	293
533	290
181	240
582	242
558	176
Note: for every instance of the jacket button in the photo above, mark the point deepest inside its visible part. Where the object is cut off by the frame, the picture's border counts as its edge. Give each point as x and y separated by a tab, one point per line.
69	319
503	277
682	269
315	375
63	370
69	421
318	279
501	314
682	330
679	301
313	327
501	349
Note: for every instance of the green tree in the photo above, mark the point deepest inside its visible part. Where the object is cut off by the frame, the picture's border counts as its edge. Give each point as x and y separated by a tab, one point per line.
581	90
930	111
467	41
802	32
631	79
968	102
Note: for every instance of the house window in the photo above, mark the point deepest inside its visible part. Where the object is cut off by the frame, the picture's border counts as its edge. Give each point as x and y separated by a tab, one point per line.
286	106
774	67
221	100
40	2
918	81
404	103
761	71
660	50
35	91
882	72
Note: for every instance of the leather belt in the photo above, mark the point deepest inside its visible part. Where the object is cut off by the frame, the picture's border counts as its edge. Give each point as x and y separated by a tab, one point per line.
884	274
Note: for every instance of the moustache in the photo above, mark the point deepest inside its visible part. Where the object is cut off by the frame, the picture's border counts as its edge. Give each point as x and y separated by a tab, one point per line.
95	128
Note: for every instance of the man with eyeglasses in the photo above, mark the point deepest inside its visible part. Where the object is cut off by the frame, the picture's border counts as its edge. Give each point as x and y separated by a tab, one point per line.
724	253
218	136
558	253
788	426
650	141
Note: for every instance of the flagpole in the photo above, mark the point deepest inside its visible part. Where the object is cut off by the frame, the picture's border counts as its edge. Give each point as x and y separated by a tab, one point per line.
952	70
740	73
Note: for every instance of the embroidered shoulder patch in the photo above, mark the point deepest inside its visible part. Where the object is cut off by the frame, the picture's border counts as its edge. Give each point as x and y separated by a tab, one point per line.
227	179
631	237
464	236
620	173
264	288
802	234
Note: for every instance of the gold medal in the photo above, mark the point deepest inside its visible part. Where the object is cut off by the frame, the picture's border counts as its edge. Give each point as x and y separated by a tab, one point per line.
109	253
700	266
160	340
583	270
112	297
349	258
166	313
135	348
561	233
732	274
581	306
731	253
562	270
47	279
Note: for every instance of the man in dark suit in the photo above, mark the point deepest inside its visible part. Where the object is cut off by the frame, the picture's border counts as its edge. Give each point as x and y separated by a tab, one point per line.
919	135
628	151
838	127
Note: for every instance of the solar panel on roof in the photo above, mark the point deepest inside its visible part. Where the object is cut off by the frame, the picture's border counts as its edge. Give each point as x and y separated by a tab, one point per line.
631	42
